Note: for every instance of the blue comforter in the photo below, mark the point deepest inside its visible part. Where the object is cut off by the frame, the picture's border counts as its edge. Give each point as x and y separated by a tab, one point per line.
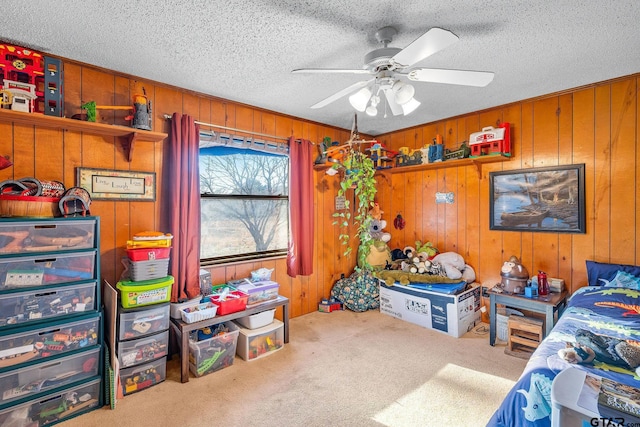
528	404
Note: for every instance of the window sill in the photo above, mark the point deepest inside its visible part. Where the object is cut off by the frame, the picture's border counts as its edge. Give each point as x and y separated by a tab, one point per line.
244	260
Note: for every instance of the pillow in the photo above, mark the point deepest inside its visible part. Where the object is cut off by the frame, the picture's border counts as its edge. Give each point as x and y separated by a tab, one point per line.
601	270
623	280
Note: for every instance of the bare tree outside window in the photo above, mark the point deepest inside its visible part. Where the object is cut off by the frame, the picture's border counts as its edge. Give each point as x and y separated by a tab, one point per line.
244	203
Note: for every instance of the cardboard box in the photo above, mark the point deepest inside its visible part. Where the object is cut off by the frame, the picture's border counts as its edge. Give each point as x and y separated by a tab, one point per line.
454	315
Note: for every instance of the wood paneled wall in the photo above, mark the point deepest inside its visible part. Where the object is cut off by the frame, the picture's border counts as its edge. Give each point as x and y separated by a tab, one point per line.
595	125
55	155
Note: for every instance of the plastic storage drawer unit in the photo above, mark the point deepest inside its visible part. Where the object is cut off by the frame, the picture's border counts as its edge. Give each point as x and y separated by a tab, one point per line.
214	353
55	338
46	270
34	305
256	343
136	323
56	406
147	292
144	376
47	375
143	350
17	237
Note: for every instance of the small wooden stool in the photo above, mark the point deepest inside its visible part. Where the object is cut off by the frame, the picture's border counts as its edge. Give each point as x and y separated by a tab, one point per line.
524	334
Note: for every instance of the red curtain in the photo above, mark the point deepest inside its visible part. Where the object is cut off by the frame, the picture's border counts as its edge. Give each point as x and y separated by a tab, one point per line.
181	205
300	254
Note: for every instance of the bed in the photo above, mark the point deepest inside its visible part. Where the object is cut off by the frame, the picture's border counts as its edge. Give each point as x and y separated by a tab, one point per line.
610	306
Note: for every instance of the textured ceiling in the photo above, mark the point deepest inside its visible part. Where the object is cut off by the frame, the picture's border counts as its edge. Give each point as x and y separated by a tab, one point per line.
245	51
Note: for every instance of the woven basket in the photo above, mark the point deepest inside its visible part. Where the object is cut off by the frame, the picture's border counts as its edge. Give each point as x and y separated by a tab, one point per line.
29	206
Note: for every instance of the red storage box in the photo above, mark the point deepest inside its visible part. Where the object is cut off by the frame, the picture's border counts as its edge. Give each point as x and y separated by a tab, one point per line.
148	254
230	303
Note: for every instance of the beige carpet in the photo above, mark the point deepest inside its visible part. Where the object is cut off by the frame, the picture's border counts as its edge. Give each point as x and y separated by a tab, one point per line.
340	368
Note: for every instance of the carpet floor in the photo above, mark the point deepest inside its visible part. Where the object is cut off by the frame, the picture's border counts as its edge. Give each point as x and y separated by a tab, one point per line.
339	368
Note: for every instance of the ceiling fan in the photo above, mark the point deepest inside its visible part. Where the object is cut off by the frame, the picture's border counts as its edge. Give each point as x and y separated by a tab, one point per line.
388	65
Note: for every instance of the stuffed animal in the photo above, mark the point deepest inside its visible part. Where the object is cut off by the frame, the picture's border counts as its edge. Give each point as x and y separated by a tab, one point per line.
376	230
452	263
590	348
426	251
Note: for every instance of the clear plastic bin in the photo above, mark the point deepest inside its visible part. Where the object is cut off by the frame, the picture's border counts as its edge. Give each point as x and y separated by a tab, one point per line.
44	236
142	350
256	343
257	320
55	338
260	292
144	376
35	305
215	353
44	270
47	375
56	406
140	322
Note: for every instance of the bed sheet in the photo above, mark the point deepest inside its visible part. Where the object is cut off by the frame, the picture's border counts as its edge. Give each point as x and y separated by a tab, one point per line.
602	310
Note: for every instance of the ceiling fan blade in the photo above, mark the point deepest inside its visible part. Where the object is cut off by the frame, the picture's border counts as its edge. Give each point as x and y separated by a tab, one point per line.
343	92
330	71
426	45
396	109
453	77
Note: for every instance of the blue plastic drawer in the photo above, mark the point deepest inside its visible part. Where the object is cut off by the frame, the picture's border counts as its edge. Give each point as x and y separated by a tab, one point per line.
46	236
38	304
46	269
21	383
22	345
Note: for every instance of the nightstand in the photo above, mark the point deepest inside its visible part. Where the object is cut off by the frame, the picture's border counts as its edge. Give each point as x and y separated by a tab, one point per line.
549	305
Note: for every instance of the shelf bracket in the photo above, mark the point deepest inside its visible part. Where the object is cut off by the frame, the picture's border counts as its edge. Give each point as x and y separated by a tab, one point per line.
128	143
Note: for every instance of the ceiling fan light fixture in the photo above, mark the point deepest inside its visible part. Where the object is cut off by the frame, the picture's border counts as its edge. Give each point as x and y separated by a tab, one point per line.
403	92
360	99
410	106
371	109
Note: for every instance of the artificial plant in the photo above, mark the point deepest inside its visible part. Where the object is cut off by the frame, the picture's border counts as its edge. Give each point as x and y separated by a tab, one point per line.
357	174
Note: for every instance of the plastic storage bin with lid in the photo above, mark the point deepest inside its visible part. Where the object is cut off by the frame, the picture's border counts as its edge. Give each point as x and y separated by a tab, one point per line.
212	348
146	292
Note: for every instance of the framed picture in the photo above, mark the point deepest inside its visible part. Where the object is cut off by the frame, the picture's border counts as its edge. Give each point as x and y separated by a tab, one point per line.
109	184
539	199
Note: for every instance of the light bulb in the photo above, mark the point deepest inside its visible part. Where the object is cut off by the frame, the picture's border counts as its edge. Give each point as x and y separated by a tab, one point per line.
371	109
403	92
410	106
360	99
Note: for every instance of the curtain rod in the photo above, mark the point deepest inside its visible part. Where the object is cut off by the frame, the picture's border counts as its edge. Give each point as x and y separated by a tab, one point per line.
167	116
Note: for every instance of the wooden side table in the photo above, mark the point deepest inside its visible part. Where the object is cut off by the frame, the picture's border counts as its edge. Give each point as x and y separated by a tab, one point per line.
548	305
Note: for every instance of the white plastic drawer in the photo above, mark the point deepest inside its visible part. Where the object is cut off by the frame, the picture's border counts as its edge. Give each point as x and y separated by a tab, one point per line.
18	237
33	305
142	350
49	340
144	376
54	407
46	269
136	323
47	375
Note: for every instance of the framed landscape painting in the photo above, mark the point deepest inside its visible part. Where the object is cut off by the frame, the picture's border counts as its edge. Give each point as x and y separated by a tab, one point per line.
539	199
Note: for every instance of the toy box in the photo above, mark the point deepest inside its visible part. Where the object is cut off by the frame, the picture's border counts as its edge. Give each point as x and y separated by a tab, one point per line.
142	377
146	292
454	315
259	292
212	354
491	141
257	320
256	343
136	323
329	305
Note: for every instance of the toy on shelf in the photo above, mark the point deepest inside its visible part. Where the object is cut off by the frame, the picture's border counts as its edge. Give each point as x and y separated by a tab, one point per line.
461	153
406	157
491	141
381	156
140	111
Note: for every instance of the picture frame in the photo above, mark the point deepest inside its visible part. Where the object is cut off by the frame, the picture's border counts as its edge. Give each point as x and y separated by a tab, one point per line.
121	185
546	199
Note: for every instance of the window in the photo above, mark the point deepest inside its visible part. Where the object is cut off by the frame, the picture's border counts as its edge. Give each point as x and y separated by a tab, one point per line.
244	197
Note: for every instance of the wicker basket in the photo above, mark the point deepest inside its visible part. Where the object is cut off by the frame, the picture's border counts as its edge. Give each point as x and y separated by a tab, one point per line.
29	206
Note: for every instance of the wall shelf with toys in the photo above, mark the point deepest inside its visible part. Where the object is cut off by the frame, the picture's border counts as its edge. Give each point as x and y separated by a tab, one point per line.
472	161
128	136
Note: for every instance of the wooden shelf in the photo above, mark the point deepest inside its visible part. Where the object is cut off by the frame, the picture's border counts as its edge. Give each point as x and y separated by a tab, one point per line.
476	161
129	135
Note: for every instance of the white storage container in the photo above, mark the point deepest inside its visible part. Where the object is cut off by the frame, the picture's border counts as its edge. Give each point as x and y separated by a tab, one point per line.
177	306
256	343
257	320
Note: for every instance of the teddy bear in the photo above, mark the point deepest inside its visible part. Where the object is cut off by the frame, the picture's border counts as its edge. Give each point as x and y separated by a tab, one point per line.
590	347
454	266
